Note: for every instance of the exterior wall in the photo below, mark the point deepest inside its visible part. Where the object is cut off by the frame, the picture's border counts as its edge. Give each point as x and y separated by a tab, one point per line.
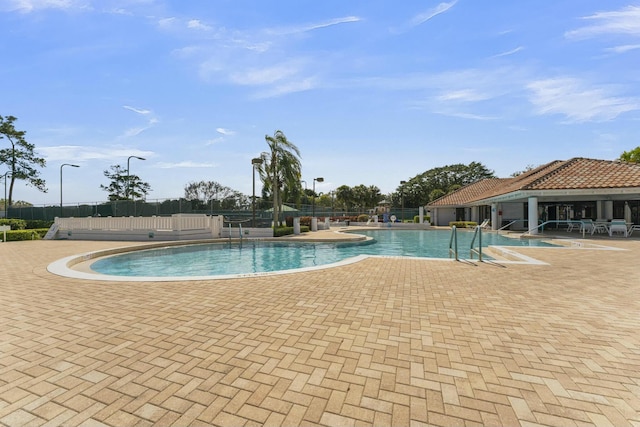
512	212
444	216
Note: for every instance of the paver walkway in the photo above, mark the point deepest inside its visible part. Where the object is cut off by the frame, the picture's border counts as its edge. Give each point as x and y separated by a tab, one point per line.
381	342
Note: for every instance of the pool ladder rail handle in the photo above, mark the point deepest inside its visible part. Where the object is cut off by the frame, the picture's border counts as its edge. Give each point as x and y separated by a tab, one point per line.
477	233
453	243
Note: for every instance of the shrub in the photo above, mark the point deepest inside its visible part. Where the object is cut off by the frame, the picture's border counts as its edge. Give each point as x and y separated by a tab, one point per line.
416	219
16	224
362	218
463	224
17	235
38	223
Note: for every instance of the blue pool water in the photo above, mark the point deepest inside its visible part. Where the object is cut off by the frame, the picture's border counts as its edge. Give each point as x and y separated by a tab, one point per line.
252	256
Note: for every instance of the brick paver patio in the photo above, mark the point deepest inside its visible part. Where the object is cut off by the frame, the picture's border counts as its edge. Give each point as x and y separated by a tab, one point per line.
381	342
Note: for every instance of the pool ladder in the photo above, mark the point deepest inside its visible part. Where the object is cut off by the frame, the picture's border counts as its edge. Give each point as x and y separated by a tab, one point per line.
453	243
231	232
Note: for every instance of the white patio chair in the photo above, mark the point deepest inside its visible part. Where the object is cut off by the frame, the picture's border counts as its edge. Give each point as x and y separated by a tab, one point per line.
618	226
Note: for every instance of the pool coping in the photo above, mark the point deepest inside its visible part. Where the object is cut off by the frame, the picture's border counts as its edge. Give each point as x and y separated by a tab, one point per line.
78	266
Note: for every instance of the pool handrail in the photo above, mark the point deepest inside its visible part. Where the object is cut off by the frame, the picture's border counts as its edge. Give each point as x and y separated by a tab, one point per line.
559	221
477	233
453	241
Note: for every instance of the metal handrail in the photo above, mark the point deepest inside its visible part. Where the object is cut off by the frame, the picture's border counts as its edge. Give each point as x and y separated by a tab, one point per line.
453	242
559	221
478	234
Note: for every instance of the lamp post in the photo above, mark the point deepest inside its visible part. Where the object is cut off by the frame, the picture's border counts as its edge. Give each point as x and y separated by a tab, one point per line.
61	166
402	183
254	162
313	200
126	192
6	203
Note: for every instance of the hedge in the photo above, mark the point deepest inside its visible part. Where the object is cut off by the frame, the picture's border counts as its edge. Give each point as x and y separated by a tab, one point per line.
17	235
16	224
463	224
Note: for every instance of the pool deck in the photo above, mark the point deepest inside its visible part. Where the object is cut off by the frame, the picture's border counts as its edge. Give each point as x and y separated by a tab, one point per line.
384	341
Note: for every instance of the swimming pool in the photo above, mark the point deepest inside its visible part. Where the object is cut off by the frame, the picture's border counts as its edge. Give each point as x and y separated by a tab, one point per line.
253	256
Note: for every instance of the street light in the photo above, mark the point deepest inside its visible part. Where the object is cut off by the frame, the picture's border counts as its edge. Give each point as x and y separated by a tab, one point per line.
402	183
61	166
313	200
255	162
126	193
6	204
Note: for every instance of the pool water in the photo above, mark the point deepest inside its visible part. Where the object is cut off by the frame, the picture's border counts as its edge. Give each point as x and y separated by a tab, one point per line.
254	256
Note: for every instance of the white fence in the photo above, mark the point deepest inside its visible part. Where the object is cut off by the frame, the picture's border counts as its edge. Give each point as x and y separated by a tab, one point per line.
175	227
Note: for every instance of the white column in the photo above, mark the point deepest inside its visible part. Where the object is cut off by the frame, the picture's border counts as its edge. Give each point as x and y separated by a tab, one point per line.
533	215
421	214
296	225
494	217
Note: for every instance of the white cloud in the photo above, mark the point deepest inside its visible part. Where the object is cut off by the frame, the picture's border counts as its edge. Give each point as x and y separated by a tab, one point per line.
27	6
267	75
184	164
289	87
623	21
509	52
623	49
578	101
196	24
225	132
76	153
136	110
431	13
465	95
313	26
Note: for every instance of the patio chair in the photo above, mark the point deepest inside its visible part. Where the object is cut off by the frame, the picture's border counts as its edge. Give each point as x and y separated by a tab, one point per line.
633	227
618	226
587	226
485	223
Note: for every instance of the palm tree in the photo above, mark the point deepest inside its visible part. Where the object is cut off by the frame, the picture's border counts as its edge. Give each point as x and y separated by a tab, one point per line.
280	171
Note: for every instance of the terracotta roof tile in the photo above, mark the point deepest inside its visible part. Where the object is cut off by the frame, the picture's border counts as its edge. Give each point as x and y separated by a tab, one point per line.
574	174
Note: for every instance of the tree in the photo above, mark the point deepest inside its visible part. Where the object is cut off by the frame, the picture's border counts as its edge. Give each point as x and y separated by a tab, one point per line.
214	194
280	170
123	186
20	158
632	156
419	189
345	197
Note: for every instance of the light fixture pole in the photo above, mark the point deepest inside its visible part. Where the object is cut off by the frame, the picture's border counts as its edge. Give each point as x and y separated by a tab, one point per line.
127	189
254	162
313	200
402	183
61	166
6	203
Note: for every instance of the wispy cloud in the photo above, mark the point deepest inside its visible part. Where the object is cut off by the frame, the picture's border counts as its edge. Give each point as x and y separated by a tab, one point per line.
134	131
431	13
27	6
196	24
136	110
465	95
623	49
623	21
83	153
225	132
509	52
579	101
187	164
312	26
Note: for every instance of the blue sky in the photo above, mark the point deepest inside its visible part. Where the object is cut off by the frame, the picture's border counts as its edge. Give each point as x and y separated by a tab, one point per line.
372	92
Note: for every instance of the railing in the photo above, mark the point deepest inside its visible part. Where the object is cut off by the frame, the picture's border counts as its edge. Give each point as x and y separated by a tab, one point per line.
477	233
453	242
559	221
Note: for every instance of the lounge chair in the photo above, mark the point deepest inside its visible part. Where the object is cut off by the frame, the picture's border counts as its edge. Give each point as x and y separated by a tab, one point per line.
485	223
618	226
632	228
586	225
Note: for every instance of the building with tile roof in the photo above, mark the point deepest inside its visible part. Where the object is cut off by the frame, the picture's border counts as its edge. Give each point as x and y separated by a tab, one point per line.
558	191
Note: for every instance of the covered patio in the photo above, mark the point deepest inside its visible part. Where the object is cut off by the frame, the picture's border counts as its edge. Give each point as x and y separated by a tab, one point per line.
556	194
